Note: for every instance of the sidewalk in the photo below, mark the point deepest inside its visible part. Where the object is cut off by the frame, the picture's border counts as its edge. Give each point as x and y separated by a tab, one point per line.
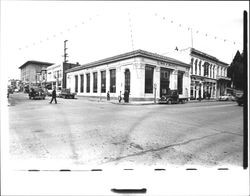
115	101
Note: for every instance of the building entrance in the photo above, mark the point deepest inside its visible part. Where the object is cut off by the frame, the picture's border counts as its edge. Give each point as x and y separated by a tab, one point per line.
164	81
127	80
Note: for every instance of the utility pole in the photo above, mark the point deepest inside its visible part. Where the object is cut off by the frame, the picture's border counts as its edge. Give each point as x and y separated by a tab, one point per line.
65	53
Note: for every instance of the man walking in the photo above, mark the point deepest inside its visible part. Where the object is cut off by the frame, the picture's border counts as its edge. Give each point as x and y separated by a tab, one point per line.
53	96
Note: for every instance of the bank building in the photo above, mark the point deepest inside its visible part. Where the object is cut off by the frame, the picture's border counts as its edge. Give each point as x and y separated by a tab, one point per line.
143	74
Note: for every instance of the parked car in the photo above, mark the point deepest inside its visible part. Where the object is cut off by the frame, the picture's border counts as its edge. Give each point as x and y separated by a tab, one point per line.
227	97
65	93
172	97
240	98
37	93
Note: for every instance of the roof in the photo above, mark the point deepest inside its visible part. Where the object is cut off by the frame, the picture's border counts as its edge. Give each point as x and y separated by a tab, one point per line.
205	55
136	53
36	63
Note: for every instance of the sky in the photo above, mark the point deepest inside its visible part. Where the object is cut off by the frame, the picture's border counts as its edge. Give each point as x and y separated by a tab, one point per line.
36	30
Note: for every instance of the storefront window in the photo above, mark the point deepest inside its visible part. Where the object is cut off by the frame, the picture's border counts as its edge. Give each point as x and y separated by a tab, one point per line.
88	83
95	82
103	81
113	81
149	73
82	80
180	82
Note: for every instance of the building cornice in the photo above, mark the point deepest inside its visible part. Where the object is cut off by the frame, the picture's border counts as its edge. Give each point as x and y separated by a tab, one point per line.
36	63
197	53
129	55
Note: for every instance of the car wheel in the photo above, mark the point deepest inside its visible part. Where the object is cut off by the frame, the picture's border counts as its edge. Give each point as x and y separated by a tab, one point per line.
169	102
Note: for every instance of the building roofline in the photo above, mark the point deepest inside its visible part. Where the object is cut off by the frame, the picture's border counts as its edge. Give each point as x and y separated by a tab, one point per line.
35	62
203	54
128	55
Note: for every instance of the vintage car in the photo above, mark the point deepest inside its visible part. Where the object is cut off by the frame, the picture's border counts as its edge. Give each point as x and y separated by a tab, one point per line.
240	98
172	97
37	93
227	97
65	93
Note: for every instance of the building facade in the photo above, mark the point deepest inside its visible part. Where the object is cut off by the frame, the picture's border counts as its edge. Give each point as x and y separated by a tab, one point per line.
145	75
56	75
208	74
31	71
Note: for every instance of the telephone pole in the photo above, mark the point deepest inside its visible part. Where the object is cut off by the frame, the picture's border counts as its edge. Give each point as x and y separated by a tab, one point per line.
65	53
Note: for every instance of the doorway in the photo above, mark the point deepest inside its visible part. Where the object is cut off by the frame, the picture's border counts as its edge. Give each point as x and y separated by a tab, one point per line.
164	81
127	80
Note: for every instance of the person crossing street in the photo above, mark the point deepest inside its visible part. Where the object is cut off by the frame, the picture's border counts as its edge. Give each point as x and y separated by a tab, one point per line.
53	96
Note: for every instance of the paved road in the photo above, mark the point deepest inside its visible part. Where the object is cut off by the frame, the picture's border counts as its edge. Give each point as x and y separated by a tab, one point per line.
91	132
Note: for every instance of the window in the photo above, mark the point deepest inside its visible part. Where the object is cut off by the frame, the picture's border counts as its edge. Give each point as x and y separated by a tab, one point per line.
149	73
200	68
82	81
195	66
192	62
112	81
95	82
103	81
88	83
76	84
180	82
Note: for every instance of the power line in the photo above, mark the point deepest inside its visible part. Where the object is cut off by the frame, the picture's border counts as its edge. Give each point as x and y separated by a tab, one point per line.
197	31
55	35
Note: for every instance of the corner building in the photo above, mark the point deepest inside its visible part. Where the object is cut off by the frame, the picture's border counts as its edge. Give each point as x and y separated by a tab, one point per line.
143	74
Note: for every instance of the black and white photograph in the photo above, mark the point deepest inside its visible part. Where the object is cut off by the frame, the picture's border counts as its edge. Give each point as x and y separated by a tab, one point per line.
89	85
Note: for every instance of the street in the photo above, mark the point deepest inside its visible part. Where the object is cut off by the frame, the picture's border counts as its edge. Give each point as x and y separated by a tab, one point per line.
103	133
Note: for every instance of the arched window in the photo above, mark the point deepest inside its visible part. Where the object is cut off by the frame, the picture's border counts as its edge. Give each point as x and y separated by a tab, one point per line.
200	68
191	63
196	66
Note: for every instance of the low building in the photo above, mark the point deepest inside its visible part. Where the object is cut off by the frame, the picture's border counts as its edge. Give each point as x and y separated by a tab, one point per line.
56	75
144	74
208	74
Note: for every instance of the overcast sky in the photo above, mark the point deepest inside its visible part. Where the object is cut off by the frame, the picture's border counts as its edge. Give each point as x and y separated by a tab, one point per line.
35	30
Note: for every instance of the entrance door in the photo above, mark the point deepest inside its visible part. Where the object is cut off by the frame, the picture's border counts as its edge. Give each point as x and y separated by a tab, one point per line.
164	81
127	80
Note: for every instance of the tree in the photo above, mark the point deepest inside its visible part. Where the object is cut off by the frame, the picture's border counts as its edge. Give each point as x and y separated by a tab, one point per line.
235	71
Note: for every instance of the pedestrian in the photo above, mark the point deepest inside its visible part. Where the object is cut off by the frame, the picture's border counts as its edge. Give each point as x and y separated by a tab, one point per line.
108	96
53	96
120	97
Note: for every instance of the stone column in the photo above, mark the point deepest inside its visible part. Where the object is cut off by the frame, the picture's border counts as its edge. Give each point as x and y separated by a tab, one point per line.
193	67
107	80
157	81
209	68
202	90
91	82
79	83
99	82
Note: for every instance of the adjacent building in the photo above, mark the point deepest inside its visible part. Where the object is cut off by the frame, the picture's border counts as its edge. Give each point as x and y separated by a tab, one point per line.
144	74
31	71
208	74
56	75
